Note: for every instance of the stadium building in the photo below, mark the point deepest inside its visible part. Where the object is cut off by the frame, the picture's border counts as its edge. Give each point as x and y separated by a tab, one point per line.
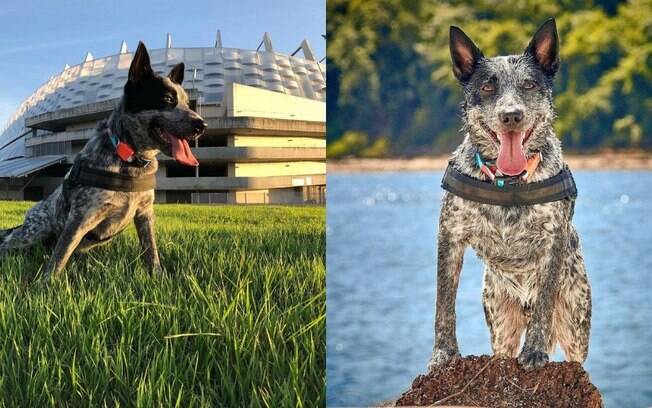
266	116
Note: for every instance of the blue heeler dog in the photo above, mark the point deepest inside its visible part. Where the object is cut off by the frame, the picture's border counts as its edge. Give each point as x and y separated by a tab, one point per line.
111	182
534	278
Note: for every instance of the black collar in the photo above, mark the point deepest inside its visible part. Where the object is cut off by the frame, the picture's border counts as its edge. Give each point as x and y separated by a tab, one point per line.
94	177
514	192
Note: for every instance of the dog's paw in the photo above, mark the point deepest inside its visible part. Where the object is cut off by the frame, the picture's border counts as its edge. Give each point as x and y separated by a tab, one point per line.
531	359
441	357
159	270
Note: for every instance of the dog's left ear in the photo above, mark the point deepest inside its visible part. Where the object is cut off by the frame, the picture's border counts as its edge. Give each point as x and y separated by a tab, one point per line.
544	47
176	74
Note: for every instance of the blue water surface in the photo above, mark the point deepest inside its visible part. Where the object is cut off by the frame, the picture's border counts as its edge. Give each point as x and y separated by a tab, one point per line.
381	284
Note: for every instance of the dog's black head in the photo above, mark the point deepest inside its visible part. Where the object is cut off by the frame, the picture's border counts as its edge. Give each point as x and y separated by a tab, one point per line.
156	114
508	106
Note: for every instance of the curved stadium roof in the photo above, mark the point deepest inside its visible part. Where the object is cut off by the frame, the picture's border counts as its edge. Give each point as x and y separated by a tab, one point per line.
208	70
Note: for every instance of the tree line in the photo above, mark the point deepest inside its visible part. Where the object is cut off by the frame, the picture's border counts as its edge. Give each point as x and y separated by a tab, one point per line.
391	89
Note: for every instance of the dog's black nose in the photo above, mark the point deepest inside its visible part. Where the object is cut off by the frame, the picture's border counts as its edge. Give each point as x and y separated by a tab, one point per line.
511	118
199	125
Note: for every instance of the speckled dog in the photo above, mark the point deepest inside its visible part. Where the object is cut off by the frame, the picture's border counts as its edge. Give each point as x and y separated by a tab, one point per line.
153	116
534	278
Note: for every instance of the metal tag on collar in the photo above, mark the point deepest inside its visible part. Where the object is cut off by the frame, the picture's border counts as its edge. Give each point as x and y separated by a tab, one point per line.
139	161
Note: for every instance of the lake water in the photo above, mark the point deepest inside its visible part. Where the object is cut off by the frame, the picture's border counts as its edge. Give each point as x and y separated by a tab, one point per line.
381	284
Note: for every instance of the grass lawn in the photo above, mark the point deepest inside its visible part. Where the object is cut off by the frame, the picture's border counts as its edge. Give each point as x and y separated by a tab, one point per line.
238	322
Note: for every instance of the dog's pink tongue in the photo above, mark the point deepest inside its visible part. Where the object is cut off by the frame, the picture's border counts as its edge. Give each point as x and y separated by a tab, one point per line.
511	159
181	152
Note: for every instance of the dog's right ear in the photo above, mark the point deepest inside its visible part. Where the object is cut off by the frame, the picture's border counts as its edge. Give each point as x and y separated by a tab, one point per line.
176	73
140	68
465	54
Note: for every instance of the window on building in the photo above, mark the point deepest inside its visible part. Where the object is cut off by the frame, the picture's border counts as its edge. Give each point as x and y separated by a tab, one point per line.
33	193
56	170
210	197
213	141
177	170
178	196
214	170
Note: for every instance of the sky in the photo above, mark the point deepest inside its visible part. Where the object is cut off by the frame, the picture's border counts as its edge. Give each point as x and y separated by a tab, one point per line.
37	38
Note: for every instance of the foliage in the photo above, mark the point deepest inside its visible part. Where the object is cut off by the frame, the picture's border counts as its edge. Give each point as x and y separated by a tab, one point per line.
354	143
389	67
351	143
379	148
239	321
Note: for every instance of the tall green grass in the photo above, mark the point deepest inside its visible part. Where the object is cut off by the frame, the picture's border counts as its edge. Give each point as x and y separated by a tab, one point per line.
238	322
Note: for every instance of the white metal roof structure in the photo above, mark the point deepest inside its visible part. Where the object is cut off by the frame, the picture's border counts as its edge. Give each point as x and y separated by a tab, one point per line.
208	70
21	166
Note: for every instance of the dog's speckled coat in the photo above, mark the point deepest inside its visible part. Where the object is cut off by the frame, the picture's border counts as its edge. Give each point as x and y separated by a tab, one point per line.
81	217
534	279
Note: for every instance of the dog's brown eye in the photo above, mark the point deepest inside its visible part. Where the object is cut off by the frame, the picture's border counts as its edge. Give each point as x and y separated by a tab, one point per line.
168	100
488	88
529	84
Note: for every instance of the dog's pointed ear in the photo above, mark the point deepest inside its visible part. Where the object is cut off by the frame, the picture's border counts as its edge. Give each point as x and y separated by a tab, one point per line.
544	47
176	73
464	53
140	66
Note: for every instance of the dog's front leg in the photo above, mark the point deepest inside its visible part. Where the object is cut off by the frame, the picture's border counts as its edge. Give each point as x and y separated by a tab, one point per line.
144	221
537	337
77	226
450	253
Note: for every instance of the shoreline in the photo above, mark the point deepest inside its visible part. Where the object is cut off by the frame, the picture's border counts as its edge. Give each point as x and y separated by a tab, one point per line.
588	161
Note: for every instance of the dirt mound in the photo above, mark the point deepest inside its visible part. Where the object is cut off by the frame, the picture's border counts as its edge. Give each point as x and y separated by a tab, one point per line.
501	382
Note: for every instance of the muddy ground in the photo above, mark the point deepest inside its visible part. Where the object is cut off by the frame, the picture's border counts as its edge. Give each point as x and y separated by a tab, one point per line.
501	382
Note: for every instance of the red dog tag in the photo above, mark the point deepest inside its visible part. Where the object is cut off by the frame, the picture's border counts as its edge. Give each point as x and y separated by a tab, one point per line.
125	152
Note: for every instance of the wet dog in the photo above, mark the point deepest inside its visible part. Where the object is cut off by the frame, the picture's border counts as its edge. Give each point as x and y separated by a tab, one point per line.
153	116
534	279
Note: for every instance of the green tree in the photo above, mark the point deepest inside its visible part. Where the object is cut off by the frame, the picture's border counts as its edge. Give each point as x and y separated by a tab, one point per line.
389	68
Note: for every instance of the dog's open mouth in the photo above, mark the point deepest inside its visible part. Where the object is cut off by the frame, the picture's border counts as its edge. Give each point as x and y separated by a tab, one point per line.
511	159
179	147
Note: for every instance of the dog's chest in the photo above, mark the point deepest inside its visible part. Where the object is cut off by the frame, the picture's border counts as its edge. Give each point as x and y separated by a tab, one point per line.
115	223
120	216
115	211
513	239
